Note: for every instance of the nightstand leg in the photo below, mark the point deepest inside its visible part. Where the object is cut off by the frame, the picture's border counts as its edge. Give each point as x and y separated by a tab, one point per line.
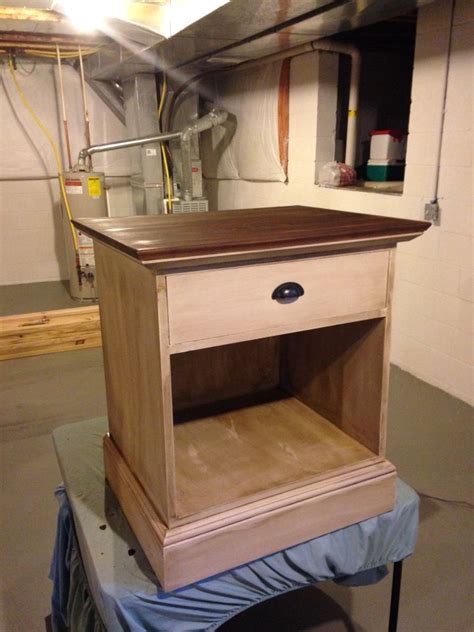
395	598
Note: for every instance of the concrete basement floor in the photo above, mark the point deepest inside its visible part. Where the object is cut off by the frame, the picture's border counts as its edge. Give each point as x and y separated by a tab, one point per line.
430	441
37	297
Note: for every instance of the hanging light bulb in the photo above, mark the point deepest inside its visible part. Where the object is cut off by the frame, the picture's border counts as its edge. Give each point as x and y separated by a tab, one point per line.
91	15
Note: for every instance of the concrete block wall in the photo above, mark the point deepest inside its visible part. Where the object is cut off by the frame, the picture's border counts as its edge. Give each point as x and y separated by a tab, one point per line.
433	313
432	328
31	232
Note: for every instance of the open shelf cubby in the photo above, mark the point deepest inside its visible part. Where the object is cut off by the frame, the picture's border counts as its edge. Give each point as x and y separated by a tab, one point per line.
263	416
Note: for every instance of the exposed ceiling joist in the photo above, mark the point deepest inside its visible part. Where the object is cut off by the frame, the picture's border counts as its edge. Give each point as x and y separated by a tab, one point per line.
43	40
25	13
218	32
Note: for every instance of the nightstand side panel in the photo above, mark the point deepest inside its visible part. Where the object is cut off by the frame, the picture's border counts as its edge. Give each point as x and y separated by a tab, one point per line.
137	373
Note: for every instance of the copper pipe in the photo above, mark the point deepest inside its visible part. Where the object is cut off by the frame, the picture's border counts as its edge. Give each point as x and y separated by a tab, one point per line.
84	102
63	105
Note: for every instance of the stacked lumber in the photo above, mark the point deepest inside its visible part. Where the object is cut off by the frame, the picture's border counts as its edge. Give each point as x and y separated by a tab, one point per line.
53	331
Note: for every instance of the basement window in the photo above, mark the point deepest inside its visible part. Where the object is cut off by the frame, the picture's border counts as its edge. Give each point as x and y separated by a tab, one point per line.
387	50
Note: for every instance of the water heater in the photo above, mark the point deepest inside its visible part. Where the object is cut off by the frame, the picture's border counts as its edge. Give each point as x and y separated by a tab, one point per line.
86	196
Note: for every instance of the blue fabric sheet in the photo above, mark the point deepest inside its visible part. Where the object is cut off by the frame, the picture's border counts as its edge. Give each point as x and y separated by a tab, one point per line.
111	584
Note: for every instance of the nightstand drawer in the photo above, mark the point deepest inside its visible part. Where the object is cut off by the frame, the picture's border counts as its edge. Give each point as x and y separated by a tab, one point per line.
220	303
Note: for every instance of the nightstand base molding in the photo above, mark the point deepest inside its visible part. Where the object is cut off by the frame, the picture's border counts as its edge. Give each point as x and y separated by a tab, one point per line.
181	554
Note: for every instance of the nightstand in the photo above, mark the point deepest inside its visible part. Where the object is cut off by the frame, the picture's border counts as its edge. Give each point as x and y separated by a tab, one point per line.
246	360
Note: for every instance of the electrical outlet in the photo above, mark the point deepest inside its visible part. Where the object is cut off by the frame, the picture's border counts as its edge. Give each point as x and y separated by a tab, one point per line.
432	213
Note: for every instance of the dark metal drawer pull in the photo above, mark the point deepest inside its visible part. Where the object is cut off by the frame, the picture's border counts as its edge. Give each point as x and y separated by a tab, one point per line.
287	291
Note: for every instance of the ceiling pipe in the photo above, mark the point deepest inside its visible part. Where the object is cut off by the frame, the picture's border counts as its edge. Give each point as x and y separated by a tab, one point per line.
121	144
330	46
352	113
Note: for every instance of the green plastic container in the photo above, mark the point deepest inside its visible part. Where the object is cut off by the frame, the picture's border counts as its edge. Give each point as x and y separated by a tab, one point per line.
385	173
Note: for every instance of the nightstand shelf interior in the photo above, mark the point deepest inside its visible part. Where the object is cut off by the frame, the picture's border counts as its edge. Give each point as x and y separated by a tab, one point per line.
232	456
285	421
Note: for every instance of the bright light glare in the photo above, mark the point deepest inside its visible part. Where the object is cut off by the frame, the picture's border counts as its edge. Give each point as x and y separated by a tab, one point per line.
90	15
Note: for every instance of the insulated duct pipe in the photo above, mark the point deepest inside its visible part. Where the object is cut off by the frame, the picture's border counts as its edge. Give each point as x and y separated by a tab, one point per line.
215	117
329	46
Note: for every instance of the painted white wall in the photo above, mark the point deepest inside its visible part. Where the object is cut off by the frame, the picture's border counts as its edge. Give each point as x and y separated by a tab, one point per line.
432	328
31	233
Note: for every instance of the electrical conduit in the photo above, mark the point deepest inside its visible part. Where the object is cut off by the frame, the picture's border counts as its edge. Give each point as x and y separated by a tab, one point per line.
442	112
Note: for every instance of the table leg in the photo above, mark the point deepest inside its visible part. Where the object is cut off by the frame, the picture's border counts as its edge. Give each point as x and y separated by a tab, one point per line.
395	598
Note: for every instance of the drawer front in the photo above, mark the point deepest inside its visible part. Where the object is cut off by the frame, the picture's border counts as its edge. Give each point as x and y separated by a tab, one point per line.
215	303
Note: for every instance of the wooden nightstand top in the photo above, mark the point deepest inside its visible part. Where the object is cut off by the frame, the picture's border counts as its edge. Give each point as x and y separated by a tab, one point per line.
254	233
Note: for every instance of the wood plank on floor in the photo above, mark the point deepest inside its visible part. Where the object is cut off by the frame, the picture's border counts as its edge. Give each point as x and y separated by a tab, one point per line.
53	331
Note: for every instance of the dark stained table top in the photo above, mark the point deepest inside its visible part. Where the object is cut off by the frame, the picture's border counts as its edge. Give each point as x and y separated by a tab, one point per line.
151	238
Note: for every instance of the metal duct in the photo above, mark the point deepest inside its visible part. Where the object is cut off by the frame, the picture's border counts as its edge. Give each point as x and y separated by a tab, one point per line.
246	29
215	117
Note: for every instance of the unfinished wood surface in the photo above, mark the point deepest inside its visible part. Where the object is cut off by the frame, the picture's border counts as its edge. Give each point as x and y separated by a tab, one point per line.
218	373
193	236
52	331
209	304
331	508
339	372
227	457
386	356
284	113
192	345
184	554
149	529
136	374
